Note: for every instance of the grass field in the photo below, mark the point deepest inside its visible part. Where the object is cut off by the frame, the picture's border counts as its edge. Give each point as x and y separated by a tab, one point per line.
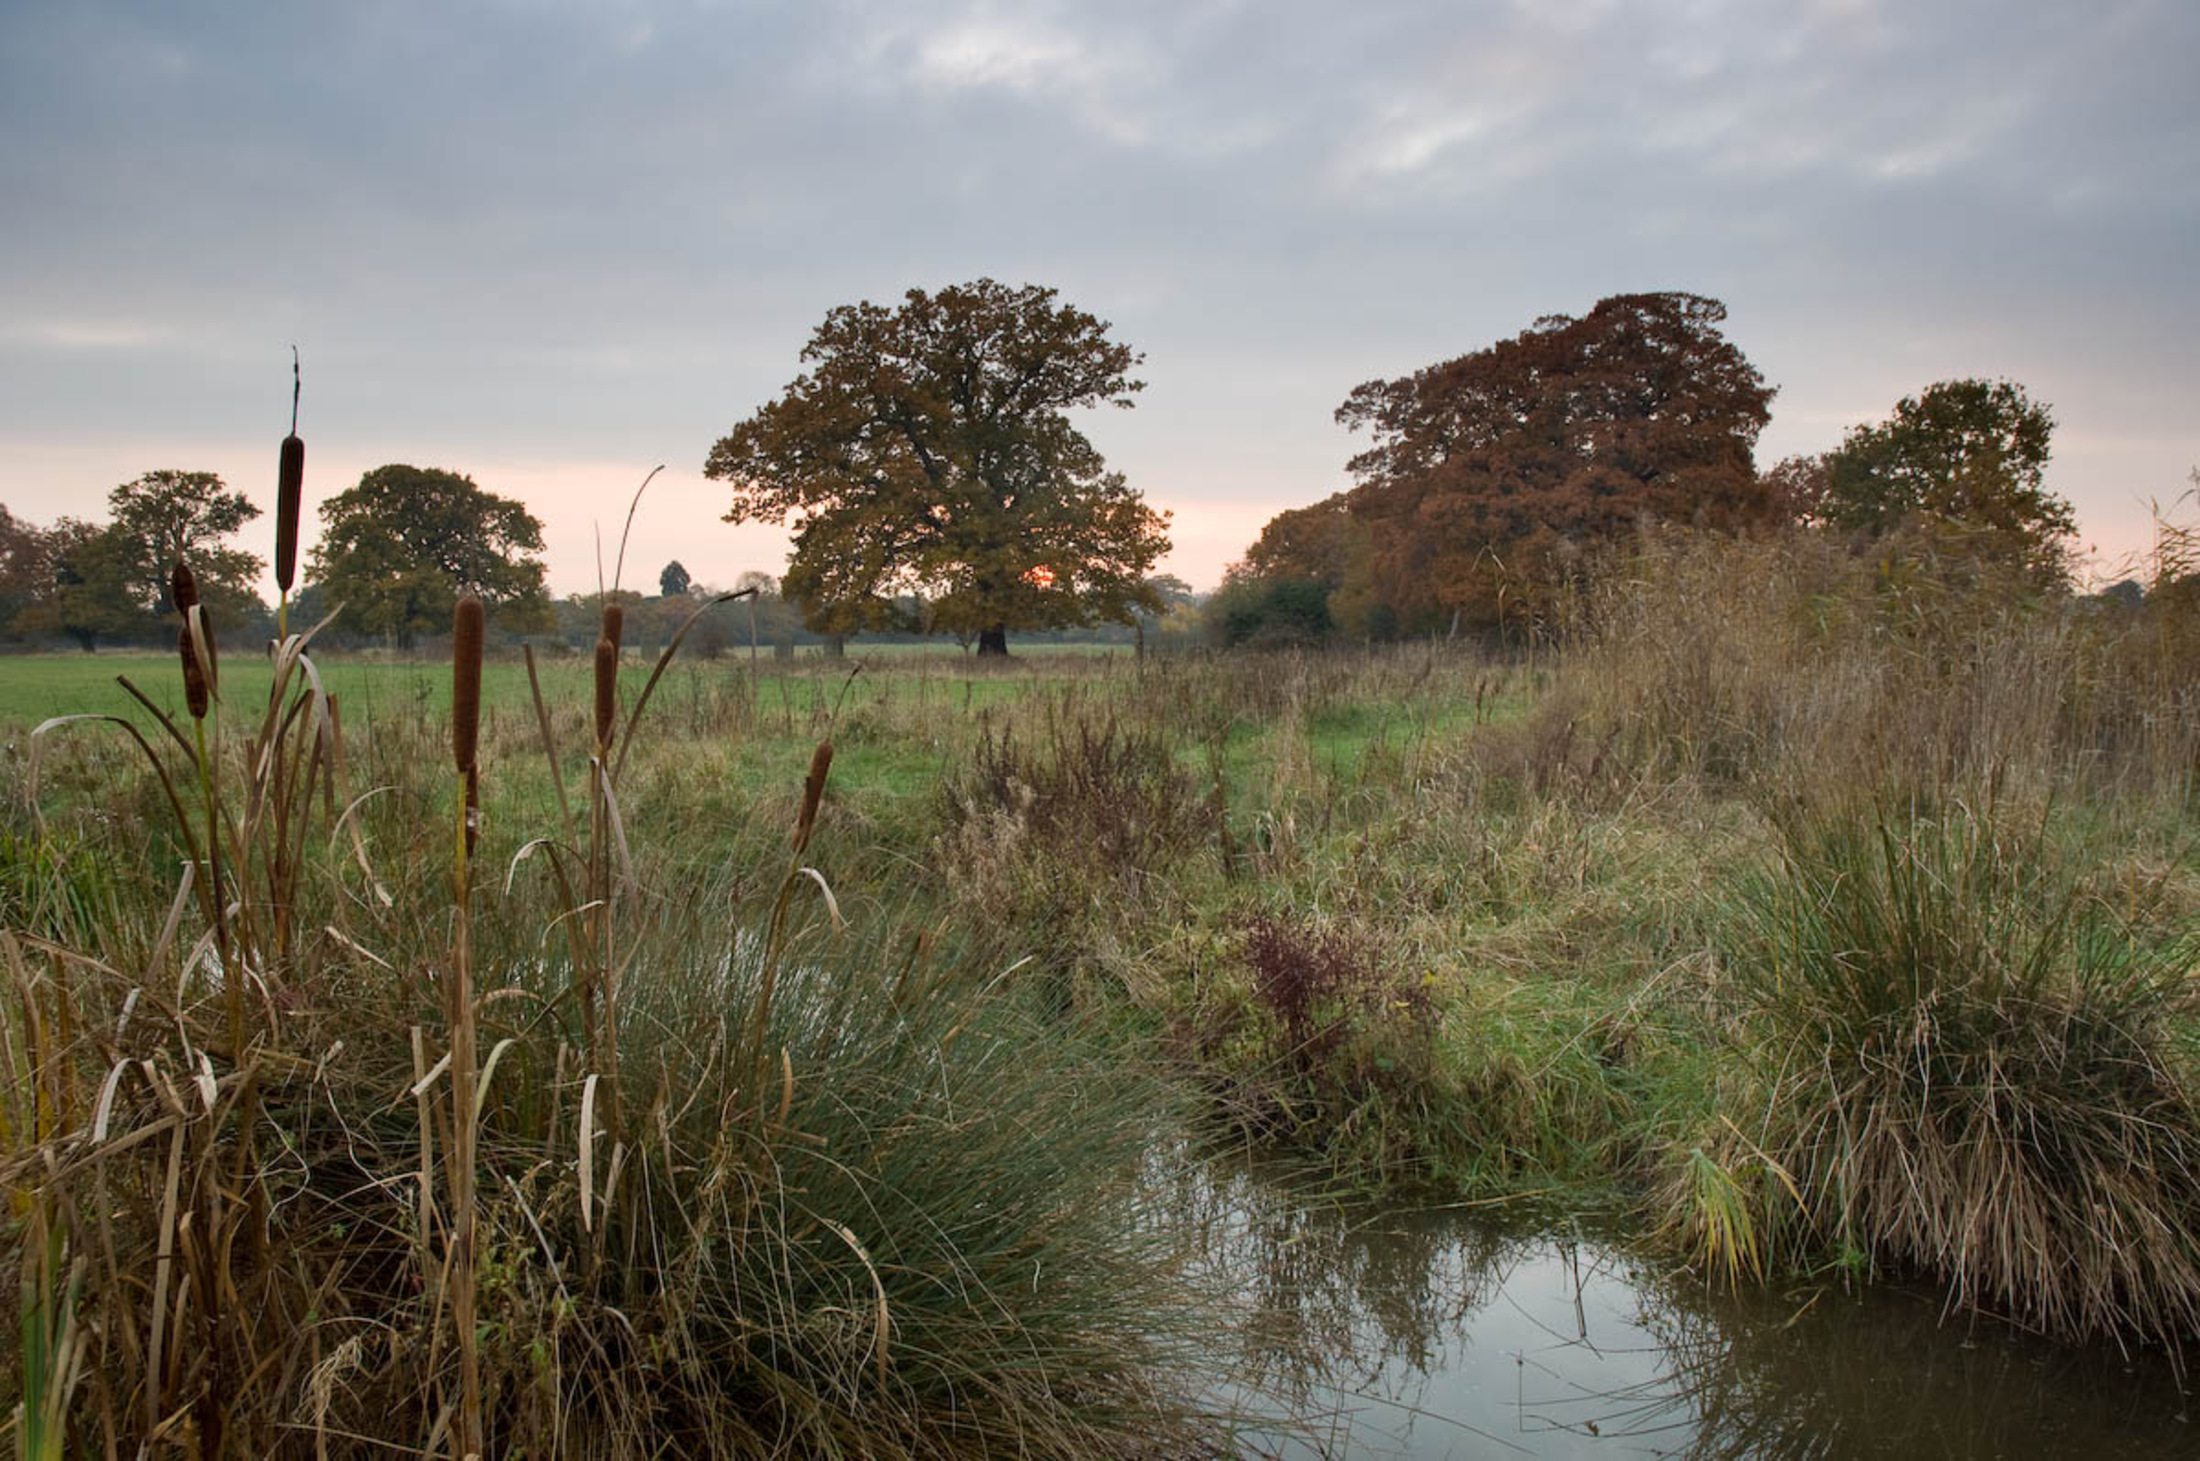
35	686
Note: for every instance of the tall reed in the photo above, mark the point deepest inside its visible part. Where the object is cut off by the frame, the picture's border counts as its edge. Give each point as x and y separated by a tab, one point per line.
468	631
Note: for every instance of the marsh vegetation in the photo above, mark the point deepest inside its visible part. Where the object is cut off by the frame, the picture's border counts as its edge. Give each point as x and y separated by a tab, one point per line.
1783	918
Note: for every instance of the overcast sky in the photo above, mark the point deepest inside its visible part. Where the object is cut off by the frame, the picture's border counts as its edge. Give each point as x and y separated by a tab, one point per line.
552	245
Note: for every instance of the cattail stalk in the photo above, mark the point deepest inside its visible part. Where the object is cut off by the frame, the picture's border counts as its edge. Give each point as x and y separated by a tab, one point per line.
603	1041
290	486
468	631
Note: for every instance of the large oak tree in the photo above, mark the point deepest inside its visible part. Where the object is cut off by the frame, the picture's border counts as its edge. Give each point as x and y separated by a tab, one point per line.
400	549
926	455
1490	472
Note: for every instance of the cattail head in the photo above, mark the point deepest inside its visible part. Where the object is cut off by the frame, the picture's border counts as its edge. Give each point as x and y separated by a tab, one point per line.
290	486
813	791
469	626
607	687
614	624
194	676
183	589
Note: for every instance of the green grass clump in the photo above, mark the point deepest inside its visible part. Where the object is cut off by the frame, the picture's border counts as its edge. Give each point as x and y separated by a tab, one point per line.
1972	1062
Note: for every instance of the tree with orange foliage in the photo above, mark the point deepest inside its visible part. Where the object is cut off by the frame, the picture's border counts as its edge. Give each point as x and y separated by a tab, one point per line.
1491	473
927	452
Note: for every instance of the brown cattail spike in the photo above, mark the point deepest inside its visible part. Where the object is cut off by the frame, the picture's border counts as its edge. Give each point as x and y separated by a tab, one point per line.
607	688
813	791
614	625
290	486
183	589
469	627
194	678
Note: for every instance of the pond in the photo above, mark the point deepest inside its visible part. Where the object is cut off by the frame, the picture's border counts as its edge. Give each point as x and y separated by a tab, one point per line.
1465	1333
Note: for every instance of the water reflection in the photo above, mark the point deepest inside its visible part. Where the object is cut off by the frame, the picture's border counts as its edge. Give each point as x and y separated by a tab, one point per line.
1465	1334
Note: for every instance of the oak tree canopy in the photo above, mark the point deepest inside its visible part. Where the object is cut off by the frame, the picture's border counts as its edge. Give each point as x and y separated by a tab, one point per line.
400	548
1971	453
1490	471
925	457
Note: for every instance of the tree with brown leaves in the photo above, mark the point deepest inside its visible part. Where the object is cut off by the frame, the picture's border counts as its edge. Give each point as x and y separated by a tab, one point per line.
1491	473
926	456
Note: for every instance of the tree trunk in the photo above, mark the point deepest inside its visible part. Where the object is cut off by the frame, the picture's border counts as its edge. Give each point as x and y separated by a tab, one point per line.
836	647
993	641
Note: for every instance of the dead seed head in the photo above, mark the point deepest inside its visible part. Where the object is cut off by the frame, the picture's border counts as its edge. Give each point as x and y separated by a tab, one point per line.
614	624
290	479
813	791
469	627
607	687
182	588
194	678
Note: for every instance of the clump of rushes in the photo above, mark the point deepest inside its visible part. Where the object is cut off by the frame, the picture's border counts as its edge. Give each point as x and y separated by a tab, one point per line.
852	1256
1973	1064
290	481
468	630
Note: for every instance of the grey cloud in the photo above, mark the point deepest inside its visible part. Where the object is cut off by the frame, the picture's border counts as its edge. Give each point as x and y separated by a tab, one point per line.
605	230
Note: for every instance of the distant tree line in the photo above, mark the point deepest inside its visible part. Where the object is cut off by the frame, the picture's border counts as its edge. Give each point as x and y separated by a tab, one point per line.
1495	481
934	485
93	583
396	552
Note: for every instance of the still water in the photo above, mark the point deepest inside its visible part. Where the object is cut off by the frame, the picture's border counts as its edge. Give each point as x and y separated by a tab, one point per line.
1461	1334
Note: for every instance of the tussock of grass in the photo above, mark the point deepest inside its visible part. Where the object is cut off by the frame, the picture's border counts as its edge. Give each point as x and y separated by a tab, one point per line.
1976	1067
